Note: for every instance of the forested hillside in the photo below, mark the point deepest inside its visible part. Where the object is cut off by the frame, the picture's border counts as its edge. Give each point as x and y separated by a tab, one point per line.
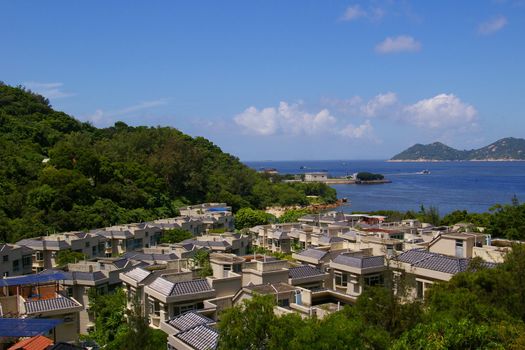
59	174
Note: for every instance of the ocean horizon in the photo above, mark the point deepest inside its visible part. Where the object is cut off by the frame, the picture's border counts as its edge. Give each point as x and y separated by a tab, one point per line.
451	185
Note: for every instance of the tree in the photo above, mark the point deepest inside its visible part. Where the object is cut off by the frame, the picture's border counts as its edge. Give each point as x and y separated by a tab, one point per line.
175	235
247	217
293	215
67	256
117	328
202	258
247	326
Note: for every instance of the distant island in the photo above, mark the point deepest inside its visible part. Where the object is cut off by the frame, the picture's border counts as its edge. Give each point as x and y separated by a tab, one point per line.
507	149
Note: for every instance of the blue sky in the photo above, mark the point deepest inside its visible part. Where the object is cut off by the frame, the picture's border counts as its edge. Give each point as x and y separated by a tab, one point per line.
279	79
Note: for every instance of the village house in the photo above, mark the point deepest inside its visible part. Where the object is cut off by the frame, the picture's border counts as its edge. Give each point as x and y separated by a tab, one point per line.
41	296
15	260
46	248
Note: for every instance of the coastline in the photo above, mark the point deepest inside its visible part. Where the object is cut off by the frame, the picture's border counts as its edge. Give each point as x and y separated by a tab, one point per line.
451	160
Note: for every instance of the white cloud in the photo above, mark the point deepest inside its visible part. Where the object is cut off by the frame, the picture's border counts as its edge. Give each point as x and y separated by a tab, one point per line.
441	111
355	12
402	43
103	118
263	122
357	132
48	90
293	119
379	104
493	25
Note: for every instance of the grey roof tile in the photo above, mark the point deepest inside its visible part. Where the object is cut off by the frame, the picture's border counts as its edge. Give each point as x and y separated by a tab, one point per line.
44	305
304	271
436	262
313	253
360	261
137	274
190	287
189	320
162	286
201	337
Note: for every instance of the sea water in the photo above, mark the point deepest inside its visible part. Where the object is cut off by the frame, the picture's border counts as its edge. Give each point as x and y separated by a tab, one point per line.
473	186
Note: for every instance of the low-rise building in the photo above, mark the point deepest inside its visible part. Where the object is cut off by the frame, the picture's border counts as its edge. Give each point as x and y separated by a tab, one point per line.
46	248
427	268
15	260
41	296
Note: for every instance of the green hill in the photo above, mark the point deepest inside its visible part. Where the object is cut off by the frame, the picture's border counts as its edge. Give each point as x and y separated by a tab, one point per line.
59	174
504	149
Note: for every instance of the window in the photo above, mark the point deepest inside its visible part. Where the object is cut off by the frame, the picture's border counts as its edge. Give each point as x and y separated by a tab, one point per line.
419	289
283	302
39	256
6	258
26	261
375	280
94	250
16	265
237	268
227	267
459	248
341	279
87	244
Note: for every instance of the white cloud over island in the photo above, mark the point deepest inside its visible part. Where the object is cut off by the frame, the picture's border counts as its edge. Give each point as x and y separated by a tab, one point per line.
401	43
442	112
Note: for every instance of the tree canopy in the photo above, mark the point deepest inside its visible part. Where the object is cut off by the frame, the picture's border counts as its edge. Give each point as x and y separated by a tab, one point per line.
58	174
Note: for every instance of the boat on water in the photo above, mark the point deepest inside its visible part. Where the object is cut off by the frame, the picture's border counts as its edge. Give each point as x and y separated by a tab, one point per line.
424	172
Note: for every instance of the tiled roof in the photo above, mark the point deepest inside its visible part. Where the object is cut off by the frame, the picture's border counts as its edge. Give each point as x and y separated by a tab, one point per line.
121	263
359	261
87	276
38	342
190	287
169	288
137	274
45	305
189	320
149	257
304	271
201	337
436	262
313	253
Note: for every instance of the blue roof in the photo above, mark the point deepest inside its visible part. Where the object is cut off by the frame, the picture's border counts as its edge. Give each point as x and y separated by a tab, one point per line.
219	209
26	327
32	279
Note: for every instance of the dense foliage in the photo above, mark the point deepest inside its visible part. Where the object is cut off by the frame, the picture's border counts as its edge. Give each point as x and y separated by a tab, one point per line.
67	256
175	235
246	218
58	174
117	328
293	215
483	308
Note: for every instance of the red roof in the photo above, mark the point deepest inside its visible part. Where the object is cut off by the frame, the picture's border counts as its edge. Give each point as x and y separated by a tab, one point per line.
38	342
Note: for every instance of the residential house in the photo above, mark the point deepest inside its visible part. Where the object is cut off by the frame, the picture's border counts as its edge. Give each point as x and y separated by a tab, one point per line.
41	296
46	248
15	260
